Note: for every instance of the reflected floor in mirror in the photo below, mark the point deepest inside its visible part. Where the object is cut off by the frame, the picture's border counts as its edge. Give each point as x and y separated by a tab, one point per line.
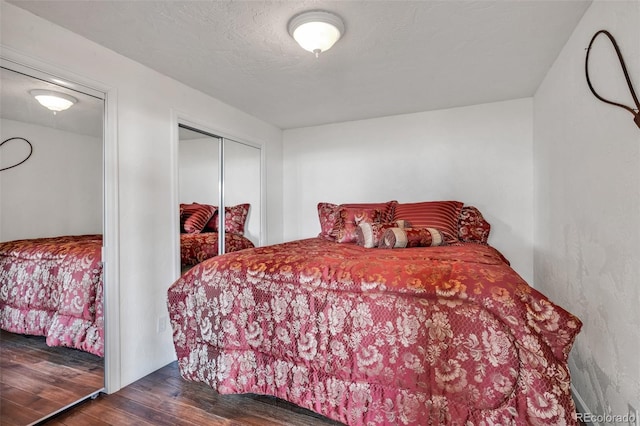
37	380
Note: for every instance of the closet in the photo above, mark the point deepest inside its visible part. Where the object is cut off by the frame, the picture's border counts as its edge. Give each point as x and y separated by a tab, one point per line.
225	172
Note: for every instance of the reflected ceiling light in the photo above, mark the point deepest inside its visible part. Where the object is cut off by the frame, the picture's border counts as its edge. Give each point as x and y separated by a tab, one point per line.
55	101
316	30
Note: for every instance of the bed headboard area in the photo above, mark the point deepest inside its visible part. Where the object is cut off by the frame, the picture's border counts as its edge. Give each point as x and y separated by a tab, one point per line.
456	221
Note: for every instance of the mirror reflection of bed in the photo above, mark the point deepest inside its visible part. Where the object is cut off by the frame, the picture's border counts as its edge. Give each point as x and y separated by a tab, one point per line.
51	221
208	163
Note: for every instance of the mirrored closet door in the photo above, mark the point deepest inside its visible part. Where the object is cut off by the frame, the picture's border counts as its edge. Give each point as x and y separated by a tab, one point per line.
51	225
220	195
242	172
198	170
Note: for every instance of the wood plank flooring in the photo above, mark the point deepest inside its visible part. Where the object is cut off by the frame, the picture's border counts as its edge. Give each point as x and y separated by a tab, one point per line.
164	398
36	380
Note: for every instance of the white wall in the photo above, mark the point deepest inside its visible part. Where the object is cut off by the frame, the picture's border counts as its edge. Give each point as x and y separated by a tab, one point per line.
587	198
146	103
57	191
480	155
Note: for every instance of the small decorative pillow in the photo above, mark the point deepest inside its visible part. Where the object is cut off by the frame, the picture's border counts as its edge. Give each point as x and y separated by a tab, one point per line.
387	209
368	234
328	214
472	228
194	217
401	223
347	221
412	237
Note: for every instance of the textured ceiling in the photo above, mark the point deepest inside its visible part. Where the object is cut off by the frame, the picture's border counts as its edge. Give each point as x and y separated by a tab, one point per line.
395	57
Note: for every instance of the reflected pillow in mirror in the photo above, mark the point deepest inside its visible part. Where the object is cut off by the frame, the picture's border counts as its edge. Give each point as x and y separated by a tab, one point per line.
235	218
194	217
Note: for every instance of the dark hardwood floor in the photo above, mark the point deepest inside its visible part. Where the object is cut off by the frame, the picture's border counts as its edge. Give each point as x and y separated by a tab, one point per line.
37	380
164	398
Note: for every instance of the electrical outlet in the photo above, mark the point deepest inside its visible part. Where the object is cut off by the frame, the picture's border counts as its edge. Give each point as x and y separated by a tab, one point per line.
162	324
632	416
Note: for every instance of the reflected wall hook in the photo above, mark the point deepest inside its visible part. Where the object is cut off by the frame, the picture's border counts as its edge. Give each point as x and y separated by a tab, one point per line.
17	164
634	112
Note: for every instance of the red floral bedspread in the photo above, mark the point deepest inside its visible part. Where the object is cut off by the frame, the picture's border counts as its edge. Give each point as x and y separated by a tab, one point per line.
53	287
194	248
438	335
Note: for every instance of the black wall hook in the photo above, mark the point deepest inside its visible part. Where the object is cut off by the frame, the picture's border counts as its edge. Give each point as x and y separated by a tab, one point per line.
635	112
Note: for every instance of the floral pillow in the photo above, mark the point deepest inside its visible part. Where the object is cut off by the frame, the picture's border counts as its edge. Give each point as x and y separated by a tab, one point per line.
235	218
194	217
472	228
386	209
328	213
348	219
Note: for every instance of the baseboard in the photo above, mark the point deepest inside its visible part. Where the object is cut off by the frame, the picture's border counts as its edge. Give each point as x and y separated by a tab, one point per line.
581	406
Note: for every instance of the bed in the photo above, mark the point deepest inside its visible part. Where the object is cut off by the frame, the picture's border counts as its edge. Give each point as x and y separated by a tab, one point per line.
199	231
53	287
446	333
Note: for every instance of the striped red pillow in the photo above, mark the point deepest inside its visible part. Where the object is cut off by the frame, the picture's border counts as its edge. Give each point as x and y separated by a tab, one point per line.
194	217
441	215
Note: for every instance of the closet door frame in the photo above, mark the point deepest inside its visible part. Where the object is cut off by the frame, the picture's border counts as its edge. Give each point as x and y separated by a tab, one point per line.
177	119
13	59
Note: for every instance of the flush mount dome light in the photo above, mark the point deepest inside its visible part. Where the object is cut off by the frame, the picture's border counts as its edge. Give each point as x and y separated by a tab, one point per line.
55	101
316	30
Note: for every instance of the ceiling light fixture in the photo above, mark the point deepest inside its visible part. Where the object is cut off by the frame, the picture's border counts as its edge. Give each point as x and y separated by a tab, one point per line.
55	101
316	30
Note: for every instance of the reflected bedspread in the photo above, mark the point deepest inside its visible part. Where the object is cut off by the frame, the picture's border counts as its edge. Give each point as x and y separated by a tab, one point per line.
53	287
